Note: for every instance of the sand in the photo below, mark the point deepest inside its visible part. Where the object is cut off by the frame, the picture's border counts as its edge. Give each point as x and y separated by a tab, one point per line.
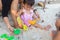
35	33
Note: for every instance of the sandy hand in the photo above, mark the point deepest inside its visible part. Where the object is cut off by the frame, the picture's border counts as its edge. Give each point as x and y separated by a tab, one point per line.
11	29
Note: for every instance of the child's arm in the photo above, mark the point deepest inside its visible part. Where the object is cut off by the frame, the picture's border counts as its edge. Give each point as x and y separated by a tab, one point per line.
20	12
36	16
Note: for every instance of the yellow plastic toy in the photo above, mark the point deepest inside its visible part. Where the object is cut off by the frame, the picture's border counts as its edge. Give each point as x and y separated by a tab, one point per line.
19	21
25	28
32	22
6	39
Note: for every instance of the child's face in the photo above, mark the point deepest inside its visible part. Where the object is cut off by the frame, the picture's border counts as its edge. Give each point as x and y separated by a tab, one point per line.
28	7
57	23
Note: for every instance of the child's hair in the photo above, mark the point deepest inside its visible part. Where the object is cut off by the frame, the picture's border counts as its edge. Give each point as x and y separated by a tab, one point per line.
29	2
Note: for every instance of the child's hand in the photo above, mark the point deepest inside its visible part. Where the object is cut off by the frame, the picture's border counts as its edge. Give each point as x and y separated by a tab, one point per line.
37	19
21	26
37	16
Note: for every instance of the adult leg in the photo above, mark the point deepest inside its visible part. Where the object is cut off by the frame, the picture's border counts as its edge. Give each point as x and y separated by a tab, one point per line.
5	8
0	5
14	9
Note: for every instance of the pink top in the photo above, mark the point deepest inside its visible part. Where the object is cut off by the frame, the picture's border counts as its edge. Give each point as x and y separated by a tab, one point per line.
26	17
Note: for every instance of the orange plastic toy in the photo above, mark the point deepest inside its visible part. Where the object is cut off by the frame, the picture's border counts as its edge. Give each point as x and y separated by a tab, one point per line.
32	22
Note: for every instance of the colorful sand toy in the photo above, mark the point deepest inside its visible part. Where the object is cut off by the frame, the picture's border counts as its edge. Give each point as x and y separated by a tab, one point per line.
19	21
4	36
12	38
21	25
17	31
6	39
25	28
32	22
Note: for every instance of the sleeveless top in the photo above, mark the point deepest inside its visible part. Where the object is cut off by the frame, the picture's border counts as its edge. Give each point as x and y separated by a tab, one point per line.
26	17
